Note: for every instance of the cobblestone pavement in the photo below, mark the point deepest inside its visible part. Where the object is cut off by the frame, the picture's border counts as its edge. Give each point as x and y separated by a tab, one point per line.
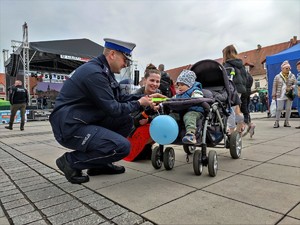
33	193
262	187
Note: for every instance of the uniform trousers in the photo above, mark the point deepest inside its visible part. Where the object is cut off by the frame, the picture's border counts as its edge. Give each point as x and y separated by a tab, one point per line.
97	145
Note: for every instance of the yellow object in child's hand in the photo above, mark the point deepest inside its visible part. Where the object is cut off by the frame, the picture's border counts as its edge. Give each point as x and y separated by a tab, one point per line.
159	99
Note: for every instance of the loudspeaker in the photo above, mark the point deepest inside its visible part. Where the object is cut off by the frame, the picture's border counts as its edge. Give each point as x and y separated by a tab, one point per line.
13	67
136	77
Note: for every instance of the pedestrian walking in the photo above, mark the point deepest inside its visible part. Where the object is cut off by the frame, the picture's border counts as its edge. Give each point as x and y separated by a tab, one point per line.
18	99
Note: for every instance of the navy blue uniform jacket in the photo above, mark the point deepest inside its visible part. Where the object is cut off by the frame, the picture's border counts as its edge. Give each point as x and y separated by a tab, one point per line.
89	97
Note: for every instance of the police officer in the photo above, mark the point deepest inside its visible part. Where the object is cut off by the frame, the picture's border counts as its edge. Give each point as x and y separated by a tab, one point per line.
18	99
92	118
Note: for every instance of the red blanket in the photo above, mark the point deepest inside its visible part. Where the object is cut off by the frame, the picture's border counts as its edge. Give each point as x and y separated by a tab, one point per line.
138	141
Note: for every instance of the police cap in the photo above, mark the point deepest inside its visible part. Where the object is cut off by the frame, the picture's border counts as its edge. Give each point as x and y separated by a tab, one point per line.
121	46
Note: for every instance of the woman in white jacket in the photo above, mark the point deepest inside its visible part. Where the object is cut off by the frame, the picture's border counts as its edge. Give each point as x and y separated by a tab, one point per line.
283	85
297	90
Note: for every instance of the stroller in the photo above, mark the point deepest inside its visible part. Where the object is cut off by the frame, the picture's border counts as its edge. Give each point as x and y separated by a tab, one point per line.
218	92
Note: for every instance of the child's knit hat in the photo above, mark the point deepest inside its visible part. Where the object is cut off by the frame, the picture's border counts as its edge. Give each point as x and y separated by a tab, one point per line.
187	77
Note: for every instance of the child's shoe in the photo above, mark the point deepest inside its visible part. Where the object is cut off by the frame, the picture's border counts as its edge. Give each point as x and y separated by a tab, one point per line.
189	138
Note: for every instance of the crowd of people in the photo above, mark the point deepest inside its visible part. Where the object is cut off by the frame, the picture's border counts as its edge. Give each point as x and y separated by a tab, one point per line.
259	102
101	125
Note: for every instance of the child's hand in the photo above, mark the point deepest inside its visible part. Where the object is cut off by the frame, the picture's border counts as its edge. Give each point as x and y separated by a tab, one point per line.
197	94
143	121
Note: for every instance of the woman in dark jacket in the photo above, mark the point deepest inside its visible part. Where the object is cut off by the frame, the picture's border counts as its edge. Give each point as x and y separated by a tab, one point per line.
230	59
140	140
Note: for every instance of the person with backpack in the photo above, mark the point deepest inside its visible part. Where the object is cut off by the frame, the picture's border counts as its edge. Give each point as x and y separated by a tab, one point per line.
231	60
165	82
245	106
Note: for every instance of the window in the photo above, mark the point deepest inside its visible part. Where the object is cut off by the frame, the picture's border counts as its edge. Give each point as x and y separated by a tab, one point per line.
247	68
1	88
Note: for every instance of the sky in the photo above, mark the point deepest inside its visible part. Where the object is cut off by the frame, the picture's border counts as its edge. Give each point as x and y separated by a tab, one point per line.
172	32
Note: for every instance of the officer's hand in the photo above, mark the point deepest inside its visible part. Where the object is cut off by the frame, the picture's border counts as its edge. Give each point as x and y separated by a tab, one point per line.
145	101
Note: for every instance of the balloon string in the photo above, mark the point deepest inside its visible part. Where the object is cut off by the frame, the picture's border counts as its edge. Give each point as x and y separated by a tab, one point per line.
161	106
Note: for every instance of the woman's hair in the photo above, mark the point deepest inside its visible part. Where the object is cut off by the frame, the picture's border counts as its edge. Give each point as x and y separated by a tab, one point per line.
229	52
150	69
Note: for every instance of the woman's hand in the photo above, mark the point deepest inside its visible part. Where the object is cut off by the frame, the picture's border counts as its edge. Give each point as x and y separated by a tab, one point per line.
155	106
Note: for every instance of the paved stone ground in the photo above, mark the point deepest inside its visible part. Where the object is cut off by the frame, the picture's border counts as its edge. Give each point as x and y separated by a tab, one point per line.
262	187
33	193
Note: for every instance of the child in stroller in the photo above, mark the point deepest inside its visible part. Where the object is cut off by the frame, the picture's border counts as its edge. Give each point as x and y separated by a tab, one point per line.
189	88
211	127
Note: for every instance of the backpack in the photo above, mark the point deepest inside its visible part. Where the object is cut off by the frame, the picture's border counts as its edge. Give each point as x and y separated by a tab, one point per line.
165	84
235	99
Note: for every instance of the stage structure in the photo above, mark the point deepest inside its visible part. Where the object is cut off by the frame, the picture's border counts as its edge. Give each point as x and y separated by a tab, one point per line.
46	61
49	63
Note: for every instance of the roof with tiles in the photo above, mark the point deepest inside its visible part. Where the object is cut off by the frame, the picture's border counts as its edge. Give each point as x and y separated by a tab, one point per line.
255	58
2	83
174	73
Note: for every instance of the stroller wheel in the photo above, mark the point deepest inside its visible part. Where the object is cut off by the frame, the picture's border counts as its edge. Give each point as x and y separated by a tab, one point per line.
212	163
197	163
156	157
189	149
169	158
235	145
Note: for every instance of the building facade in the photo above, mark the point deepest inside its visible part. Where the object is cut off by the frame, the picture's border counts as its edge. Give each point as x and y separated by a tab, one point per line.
254	61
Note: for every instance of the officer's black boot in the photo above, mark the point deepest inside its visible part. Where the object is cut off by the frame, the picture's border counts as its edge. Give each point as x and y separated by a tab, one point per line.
22	126
10	126
107	169
74	176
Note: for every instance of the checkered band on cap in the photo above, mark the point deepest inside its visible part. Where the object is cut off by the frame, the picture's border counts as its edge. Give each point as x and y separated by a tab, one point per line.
121	46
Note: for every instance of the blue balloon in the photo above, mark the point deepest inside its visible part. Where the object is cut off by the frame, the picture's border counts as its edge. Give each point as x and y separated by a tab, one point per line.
164	129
